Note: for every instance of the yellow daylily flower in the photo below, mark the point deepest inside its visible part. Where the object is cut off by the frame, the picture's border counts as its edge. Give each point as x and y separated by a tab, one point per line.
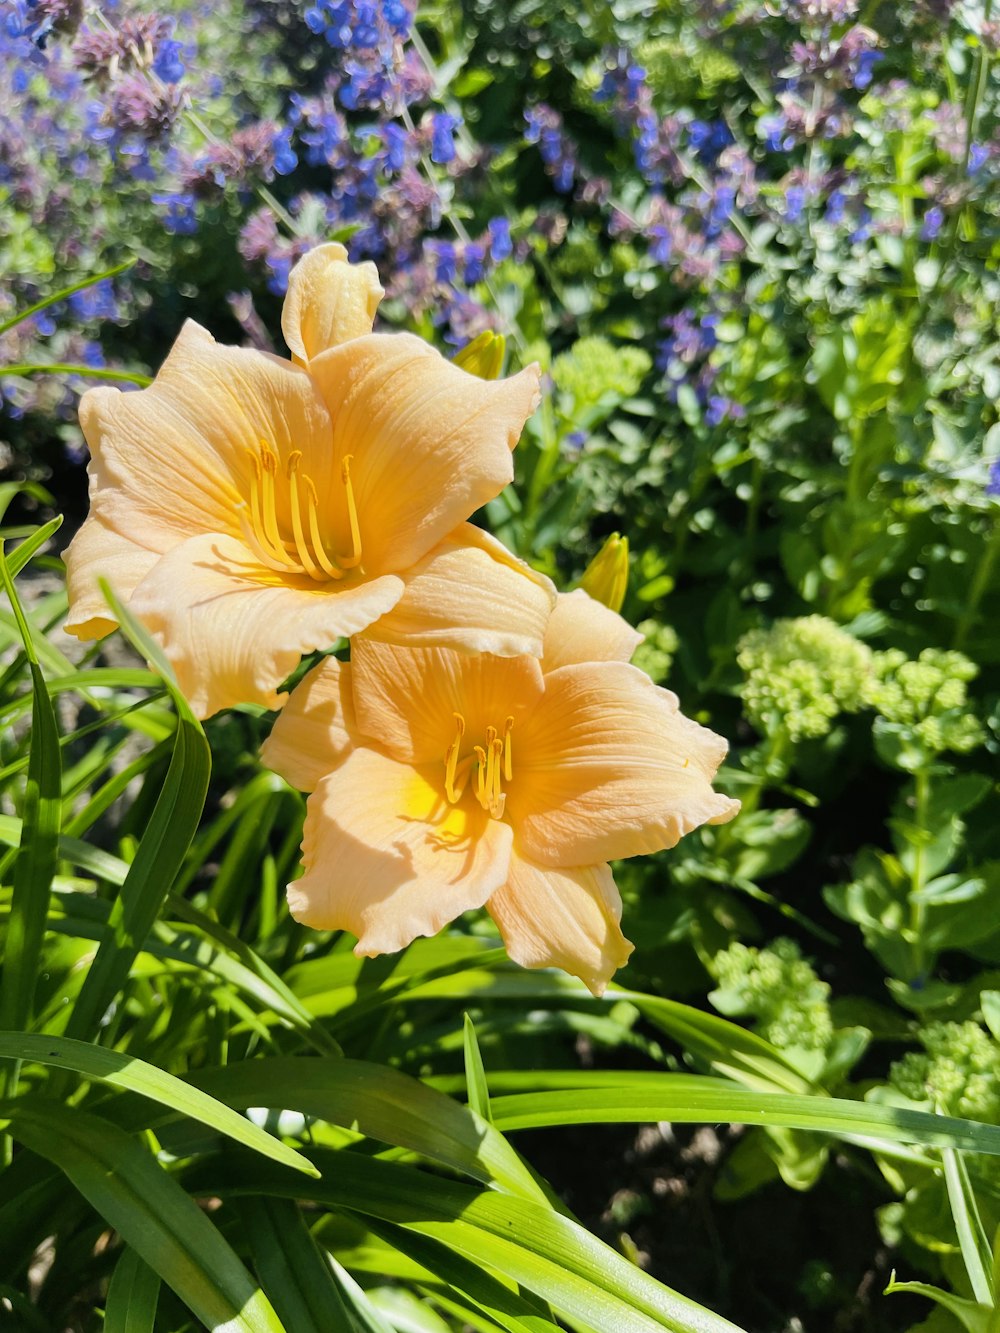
250	509
443	782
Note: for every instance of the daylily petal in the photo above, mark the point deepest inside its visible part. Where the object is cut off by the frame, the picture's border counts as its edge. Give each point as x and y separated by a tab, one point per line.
98	552
607	767
406	699
428	442
316	729
174	460
387	858
471	594
568	918
582	630
329	301
233	630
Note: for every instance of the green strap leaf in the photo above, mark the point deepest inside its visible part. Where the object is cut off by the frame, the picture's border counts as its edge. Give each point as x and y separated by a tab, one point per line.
171	828
154	1216
87	372
61	295
132	1296
475	1073
382	1103
973	1317
486	1294
688	1099
36	858
529	1242
134	1075
294	1274
977	1253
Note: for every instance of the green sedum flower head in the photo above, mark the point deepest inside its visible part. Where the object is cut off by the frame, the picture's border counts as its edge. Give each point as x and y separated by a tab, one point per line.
927	697
800	674
594	368
778	988
958	1073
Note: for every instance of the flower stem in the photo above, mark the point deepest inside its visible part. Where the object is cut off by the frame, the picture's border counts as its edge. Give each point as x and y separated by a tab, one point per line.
921	796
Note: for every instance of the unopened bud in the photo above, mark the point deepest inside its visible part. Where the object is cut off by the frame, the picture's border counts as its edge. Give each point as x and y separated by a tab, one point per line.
606	577
483	356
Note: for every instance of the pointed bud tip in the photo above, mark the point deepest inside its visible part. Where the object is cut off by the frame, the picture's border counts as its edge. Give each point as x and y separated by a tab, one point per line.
483	356
606	577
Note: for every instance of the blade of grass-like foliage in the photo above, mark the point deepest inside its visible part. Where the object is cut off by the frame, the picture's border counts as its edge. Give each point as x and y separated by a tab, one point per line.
20	556
87	372
502	1305
252	962
153	1215
529	1242
363	1315
973	1317
36	857
475	1075
132	1296
295	1275
170	830
690	1098
55	662
126	1071
85	918
61	295
977	1253
380	1102
725	1046
108	793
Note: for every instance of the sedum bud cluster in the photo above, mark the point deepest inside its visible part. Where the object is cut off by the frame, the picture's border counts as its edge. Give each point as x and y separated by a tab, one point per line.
957	1073
594	368
800	674
655	655
927	696
778	988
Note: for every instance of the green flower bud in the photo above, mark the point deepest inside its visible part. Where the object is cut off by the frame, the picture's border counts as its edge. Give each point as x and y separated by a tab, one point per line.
606	577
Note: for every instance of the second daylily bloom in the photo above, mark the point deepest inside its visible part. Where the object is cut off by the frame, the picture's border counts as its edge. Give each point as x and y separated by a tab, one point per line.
443	782
250	509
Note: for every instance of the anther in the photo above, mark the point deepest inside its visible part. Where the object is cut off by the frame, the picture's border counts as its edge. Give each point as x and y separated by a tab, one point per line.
508	771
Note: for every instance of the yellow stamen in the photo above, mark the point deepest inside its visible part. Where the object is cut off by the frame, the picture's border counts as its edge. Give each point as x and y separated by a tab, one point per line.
497	799
312	505
354	557
451	760
301	545
508	770
268	502
481	776
274	559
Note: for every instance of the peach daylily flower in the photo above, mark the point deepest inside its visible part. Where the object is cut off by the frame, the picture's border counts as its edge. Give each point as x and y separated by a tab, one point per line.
443	782
250	509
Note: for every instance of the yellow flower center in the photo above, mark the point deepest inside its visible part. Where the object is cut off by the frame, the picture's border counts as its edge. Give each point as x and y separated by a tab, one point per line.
295	546
493	766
